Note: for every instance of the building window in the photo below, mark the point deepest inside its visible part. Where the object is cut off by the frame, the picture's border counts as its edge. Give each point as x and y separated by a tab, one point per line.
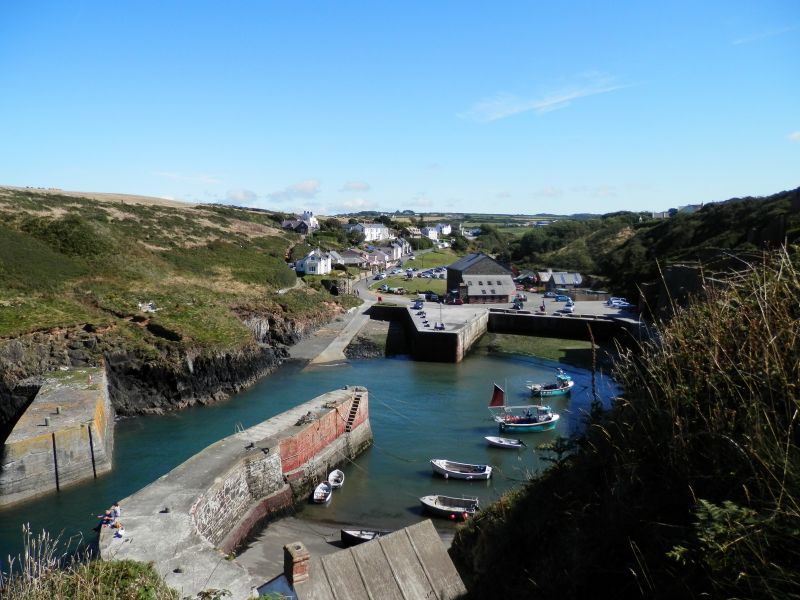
480	283
498	283
493	292
483	291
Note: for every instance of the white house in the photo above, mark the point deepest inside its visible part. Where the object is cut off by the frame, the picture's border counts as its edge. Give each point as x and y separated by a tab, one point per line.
309	219
394	251
315	263
432	233
444	228
373	232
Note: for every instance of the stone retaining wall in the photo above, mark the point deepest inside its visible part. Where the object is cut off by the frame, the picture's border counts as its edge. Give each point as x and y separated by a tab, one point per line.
190	518
65	436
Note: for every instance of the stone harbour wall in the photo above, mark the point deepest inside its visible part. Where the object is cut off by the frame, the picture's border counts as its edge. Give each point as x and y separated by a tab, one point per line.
218	510
191	518
65	436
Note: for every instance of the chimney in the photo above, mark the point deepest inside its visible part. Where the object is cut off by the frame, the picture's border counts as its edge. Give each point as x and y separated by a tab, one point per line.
295	563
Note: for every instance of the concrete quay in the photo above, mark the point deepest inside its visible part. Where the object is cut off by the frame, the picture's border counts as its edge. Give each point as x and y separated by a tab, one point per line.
65	436
189	521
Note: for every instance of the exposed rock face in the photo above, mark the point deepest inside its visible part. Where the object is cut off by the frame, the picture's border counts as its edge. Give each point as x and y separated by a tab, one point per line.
162	377
137	385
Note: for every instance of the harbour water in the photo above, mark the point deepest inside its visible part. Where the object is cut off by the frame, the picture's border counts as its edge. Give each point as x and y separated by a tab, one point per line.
418	411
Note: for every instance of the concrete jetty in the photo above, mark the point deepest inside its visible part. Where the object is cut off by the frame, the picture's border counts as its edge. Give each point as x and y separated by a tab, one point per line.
65	436
189	521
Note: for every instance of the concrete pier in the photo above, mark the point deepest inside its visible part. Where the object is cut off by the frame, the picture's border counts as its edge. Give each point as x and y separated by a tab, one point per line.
65	436
189	521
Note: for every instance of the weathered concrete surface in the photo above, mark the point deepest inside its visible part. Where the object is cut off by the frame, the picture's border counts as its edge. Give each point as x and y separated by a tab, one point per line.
186	521
65	436
335	351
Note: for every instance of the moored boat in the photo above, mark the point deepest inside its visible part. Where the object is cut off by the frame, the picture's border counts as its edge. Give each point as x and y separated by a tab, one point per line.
562	385
351	537
336	478
450	507
520	418
501	442
456	470
322	493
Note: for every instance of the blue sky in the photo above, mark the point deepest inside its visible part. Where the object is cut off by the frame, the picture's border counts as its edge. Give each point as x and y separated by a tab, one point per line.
430	106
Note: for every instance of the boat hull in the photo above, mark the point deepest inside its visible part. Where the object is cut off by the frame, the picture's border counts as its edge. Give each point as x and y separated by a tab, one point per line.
352	537
507	443
322	493
529	427
449	508
452	470
336	478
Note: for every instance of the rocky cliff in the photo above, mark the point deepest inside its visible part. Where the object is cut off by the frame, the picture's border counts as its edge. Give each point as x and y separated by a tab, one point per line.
147	378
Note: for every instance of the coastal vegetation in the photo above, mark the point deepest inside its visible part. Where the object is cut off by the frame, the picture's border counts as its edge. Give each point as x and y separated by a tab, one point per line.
689	486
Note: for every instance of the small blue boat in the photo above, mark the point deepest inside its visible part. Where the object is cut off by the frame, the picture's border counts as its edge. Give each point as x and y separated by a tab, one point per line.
562	385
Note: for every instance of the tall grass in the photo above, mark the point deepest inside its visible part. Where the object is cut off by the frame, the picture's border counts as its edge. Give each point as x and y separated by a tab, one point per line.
690	486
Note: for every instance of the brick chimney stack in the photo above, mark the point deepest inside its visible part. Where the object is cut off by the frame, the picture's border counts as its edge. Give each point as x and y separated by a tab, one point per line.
295	562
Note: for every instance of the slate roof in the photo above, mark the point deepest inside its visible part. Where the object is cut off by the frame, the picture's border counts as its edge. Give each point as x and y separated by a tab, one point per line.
467	261
409	563
561	277
490	285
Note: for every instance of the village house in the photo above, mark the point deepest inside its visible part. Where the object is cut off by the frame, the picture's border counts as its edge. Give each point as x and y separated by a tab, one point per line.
432	233
553	280
315	262
373	232
354	258
444	229
302	225
295	225
480	279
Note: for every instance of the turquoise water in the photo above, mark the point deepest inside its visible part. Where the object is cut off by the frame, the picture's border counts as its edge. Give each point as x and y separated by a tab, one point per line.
418	411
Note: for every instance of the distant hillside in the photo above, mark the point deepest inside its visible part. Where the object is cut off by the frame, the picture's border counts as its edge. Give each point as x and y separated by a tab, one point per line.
624	249
74	270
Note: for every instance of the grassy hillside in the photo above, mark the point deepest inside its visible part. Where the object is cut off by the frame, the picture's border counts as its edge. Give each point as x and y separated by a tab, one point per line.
67	260
623	250
690	486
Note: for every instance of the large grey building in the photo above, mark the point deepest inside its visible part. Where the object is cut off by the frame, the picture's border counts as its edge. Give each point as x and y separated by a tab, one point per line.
480	279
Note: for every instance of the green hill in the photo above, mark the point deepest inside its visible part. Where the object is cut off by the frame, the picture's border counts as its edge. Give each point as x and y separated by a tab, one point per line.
74	271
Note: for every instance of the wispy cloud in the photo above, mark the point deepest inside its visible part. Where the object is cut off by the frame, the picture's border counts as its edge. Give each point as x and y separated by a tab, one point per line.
421	201
763	35
188	177
241	195
549	192
357	204
795	136
302	190
355	186
503	104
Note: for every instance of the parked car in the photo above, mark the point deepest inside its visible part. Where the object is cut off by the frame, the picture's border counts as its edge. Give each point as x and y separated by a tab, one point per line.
549	294
562	298
614	301
431	297
520	296
384	287
380	276
568	308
